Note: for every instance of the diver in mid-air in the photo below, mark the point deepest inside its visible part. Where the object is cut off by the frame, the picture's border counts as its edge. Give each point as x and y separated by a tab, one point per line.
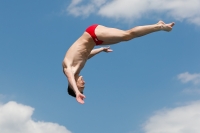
82	49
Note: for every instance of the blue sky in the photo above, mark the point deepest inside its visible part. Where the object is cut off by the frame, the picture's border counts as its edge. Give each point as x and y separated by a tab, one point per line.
147	85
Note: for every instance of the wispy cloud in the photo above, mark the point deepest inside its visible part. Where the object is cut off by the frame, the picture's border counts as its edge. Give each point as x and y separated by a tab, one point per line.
132	10
16	118
76	7
194	79
187	77
184	119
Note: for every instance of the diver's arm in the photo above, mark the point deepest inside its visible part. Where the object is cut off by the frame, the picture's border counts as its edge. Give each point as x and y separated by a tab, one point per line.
71	79
98	50
67	70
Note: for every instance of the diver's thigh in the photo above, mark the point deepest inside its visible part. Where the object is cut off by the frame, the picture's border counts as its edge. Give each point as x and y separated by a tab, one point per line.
110	34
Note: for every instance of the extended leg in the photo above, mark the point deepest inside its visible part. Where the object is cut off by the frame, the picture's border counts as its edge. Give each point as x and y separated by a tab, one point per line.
144	30
112	35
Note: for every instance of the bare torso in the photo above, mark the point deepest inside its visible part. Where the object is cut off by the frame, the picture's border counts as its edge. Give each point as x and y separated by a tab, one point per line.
78	53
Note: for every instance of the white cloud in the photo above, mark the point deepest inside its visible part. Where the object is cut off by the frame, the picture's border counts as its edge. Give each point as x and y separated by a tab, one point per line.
76	9
190	78
135	9
187	77
16	118
184	119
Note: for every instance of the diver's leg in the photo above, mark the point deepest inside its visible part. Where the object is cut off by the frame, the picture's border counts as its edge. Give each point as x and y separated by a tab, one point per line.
113	35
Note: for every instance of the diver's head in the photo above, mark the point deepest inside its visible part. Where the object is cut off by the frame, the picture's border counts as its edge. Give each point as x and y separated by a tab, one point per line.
80	84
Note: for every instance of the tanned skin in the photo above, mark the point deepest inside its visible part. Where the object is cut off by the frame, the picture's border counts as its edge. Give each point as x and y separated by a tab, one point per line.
82	49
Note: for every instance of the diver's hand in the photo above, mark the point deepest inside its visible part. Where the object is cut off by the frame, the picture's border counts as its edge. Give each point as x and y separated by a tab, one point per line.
80	98
107	49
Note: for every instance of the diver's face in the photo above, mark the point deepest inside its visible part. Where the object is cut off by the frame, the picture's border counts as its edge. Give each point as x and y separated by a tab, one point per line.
80	83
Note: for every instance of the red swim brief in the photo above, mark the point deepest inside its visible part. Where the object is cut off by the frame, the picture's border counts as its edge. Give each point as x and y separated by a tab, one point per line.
91	31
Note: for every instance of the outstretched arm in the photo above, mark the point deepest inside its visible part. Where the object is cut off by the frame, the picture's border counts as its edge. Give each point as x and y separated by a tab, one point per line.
98	50
71	79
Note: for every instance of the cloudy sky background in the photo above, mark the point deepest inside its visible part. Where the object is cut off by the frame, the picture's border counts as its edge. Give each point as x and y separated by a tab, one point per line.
147	85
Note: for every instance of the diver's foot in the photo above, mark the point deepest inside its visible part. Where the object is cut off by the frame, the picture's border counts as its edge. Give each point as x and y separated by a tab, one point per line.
165	27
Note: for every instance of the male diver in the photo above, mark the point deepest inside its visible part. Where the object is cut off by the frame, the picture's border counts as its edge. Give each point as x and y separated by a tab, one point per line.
82	49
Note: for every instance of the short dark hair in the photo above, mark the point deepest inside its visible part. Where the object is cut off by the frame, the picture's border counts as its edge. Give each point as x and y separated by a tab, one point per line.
71	91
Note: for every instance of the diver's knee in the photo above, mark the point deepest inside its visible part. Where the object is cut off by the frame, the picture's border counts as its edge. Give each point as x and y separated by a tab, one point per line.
127	36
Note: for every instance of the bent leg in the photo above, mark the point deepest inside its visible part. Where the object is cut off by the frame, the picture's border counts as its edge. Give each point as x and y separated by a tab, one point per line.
113	35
